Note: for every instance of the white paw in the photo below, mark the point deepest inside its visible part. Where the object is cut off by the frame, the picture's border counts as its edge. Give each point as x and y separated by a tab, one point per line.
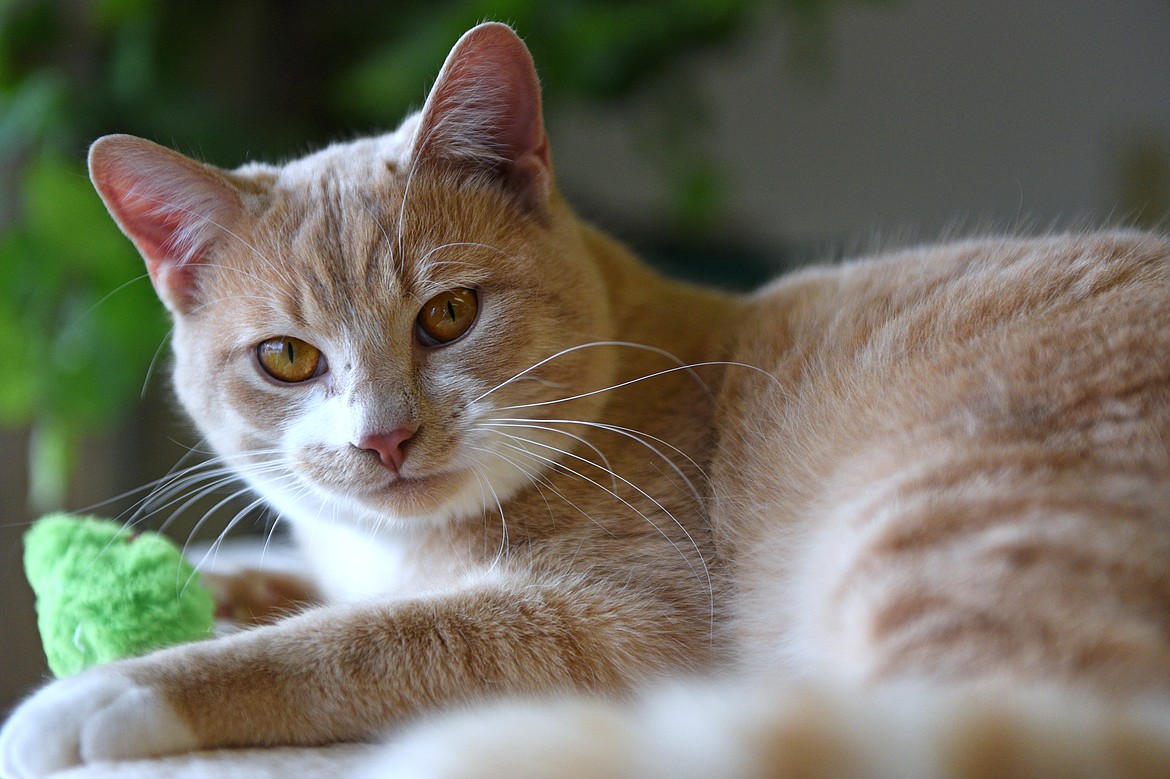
99	715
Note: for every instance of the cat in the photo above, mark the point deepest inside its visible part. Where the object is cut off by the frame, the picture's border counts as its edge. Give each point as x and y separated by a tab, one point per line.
907	515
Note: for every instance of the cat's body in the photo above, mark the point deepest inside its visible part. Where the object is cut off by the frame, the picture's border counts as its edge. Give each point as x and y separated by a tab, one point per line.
964	431
945	470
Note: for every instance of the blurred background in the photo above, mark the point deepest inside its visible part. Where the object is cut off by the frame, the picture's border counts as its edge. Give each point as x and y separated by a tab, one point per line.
725	139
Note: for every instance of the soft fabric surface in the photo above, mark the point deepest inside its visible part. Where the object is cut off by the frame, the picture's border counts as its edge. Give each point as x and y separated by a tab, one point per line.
286	763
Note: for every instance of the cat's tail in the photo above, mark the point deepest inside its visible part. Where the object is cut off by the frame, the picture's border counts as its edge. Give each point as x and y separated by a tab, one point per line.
726	732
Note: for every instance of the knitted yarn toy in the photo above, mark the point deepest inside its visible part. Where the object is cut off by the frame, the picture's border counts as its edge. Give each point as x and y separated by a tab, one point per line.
104	592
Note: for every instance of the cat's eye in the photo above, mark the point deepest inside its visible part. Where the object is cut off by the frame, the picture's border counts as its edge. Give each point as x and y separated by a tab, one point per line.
447	316
290	359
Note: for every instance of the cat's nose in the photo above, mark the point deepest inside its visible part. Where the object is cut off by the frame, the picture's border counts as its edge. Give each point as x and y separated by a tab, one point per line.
390	447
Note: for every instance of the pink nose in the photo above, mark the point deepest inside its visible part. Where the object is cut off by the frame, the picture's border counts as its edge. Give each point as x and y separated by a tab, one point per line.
390	447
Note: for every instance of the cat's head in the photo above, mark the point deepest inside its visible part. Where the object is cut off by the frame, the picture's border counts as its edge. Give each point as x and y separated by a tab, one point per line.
354	329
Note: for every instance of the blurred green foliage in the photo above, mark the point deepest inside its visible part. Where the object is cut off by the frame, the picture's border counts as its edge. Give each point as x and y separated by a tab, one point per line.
241	79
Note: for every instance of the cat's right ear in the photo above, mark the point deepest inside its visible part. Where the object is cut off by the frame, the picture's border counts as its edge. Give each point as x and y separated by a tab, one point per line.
484	114
173	209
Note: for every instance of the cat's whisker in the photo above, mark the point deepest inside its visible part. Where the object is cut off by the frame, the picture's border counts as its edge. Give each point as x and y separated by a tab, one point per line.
149	488
577	438
458	244
154	358
172	206
165	494
184	494
593	345
241	455
502	552
703	577
479	479
637	380
201	494
538	479
634	435
231	497
484	485
613	474
414	161
706	574
81	318
544	382
381	227
209	476
213	474
453	263
423	271
533	479
169	490
274	525
212	553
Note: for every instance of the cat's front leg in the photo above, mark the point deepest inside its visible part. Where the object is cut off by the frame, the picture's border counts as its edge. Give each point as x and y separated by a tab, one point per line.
349	673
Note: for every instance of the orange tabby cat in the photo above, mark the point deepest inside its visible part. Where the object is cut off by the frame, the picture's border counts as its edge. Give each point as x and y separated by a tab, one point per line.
917	507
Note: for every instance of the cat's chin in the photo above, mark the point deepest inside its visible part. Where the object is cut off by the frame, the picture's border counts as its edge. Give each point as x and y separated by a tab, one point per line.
416	496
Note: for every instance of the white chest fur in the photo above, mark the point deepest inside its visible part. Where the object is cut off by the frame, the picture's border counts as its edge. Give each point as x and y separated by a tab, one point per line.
348	564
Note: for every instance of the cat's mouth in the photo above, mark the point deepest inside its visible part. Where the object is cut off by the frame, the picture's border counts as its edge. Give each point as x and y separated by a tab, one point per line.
396	484
357	479
422	490
421	493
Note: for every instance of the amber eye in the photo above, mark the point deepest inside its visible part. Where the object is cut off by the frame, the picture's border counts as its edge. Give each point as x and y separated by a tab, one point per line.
447	316
290	359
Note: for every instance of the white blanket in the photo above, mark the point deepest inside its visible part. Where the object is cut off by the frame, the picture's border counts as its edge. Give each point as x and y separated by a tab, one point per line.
341	760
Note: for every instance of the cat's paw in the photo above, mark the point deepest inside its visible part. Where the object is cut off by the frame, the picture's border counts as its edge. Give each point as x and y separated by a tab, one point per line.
99	715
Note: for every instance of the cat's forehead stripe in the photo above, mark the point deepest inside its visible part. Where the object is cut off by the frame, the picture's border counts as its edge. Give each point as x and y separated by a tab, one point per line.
342	241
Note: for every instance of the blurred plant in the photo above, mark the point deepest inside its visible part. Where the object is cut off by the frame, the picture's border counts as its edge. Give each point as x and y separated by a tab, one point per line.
76	314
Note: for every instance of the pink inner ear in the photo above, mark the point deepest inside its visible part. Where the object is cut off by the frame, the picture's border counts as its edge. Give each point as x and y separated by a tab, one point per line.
155	231
485	110
172	208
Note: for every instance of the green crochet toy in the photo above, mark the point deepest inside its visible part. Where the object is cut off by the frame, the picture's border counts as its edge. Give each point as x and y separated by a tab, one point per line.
106	592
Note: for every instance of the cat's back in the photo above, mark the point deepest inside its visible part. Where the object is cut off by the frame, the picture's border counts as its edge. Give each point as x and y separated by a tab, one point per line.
1011	334
1002	404
913	301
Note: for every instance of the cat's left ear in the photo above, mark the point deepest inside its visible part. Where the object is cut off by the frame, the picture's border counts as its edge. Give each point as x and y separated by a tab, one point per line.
484	113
